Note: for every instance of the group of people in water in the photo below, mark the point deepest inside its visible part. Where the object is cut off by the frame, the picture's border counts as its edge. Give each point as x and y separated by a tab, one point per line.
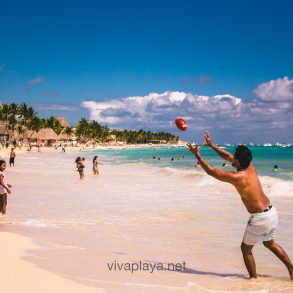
80	165
172	159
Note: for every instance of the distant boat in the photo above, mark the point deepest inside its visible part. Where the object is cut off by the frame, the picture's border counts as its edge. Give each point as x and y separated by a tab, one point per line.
282	145
267	144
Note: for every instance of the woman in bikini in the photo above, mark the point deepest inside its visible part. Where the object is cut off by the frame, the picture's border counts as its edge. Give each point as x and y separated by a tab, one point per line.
96	163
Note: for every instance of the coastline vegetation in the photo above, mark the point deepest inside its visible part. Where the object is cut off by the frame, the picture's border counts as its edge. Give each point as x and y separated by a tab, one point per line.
24	121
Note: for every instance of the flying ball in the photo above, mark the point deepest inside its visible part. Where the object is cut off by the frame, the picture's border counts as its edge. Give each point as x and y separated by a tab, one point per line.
181	124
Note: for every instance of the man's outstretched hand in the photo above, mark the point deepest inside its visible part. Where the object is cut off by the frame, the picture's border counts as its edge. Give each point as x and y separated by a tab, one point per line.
194	149
208	139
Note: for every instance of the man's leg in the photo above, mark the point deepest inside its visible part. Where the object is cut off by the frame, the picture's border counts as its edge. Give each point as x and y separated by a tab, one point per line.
281	254
249	259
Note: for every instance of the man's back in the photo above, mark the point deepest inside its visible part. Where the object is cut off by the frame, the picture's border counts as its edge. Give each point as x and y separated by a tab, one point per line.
248	185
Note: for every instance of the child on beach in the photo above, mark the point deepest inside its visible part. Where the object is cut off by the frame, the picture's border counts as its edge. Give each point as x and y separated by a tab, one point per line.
96	162
80	165
4	188
12	157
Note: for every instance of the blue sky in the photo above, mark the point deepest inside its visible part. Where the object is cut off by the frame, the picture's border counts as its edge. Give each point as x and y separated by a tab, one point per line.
56	55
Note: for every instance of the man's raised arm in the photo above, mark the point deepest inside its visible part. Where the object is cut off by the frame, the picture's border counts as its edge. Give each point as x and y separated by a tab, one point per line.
222	153
219	174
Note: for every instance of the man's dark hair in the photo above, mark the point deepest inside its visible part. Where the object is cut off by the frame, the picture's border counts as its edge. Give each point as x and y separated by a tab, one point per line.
243	155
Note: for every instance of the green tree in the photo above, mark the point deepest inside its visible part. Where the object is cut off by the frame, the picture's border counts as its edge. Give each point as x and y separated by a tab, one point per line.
35	125
68	131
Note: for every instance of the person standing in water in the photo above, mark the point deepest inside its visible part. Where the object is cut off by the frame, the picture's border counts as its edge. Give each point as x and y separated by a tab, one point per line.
80	165
96	163
4	188
263	220
12	157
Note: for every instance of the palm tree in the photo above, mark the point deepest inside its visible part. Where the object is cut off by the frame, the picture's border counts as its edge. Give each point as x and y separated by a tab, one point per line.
82	130
22	117
23	110
28	114
4	115
54	124
35	125
68	131
12	118
20	130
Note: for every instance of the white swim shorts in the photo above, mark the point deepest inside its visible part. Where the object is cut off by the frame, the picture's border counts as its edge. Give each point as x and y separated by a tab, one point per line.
261	227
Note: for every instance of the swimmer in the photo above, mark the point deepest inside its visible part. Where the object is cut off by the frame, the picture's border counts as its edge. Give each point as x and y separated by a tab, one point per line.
197	165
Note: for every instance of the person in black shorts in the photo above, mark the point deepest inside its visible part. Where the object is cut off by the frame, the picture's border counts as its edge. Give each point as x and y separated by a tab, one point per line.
12	157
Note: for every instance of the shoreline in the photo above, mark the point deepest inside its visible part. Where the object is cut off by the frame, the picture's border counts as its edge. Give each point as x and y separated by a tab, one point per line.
19	275
178	225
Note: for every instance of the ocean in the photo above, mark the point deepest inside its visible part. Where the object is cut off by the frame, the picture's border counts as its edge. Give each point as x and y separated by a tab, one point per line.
180	160
264	158
141	209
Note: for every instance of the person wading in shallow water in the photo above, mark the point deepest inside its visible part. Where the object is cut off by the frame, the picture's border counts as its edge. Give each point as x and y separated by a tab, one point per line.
263	220
96	164
80	165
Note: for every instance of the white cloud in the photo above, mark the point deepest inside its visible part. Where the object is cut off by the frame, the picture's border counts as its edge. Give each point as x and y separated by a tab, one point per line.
221	112
37	80
159	110
276	90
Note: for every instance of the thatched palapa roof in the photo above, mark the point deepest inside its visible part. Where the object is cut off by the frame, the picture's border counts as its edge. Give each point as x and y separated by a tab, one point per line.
63	121
43	134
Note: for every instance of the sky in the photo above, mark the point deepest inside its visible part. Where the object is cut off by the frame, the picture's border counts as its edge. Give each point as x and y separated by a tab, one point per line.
225	66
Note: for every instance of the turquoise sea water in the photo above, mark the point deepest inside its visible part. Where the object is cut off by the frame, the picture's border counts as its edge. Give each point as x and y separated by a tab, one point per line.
264	158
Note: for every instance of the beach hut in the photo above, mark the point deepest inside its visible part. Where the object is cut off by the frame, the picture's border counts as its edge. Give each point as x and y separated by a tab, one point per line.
63	121
45	135
111	139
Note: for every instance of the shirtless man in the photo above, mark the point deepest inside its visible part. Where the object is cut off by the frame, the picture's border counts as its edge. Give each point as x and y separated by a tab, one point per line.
263	221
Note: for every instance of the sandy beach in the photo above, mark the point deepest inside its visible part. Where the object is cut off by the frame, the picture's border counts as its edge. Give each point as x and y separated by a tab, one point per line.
19	275
62	234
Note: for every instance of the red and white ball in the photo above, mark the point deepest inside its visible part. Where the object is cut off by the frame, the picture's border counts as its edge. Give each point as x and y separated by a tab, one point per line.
181	124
